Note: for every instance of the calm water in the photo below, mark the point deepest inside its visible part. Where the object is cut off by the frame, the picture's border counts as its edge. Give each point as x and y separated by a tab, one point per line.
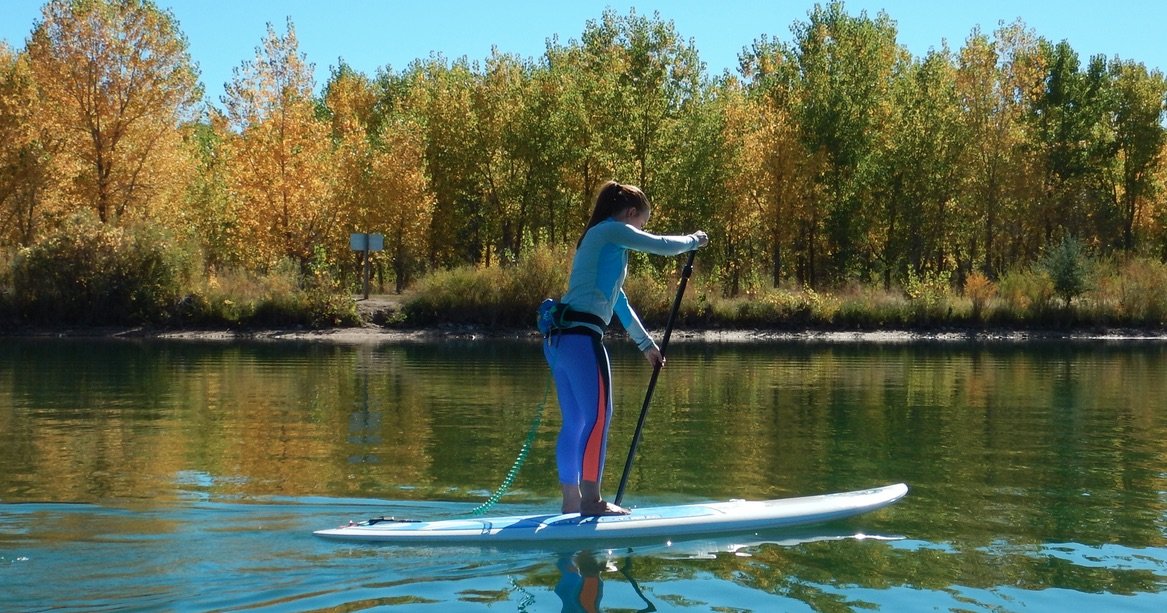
188	476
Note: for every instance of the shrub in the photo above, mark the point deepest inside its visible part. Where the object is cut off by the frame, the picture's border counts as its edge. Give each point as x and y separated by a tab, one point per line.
979	290
541	272
279	298
928	295
8	311
490	295
1027	292
1067	266
1143	291
651	298
873	308
92	273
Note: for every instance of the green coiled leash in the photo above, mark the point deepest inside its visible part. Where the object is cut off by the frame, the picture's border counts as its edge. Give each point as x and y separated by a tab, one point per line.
524	451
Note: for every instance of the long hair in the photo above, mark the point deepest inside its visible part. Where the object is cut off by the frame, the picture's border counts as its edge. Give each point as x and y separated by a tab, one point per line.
613	199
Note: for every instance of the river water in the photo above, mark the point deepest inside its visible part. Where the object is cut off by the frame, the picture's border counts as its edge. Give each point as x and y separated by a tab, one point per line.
189	476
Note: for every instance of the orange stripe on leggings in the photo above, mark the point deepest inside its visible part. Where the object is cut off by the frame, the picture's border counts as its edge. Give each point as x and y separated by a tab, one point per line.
592	459
589	594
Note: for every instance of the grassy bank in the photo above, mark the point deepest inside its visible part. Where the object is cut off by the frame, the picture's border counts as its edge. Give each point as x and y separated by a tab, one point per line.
1096	294
92	275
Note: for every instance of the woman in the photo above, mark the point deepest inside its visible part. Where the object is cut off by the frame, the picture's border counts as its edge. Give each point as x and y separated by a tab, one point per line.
576	353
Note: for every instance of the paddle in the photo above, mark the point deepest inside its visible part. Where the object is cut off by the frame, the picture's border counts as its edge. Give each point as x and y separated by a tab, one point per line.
685	273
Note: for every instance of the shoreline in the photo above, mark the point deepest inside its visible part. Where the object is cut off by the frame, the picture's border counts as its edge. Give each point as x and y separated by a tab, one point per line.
375	335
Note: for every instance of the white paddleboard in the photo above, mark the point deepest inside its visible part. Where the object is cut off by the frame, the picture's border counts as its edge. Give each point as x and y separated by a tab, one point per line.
669	522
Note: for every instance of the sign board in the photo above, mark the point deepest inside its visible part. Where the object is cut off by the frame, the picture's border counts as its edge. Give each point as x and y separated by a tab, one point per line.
366	242
360	241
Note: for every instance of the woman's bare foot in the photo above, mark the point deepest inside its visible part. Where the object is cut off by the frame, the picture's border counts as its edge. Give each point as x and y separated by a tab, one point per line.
601	509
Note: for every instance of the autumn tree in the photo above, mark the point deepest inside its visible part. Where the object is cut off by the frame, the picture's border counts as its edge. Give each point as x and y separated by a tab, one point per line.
27	147
781	172
280	156
741	220
402	196
997	79
116	79
381	185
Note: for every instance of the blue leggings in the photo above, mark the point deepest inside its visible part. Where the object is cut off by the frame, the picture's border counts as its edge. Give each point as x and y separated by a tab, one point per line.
582	374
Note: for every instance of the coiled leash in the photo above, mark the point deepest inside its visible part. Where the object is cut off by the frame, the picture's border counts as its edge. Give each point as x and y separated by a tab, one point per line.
524	451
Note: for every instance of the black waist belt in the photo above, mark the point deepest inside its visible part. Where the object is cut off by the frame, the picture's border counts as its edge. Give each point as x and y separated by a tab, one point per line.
576	330
582	317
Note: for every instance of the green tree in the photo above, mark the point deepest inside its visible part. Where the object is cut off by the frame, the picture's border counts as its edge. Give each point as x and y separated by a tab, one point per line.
208	215
439	95
1135	123
846	67
923	171
1067	265
630	80
1063	120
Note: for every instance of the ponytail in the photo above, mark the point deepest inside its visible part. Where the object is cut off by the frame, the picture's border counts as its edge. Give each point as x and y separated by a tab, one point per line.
613	199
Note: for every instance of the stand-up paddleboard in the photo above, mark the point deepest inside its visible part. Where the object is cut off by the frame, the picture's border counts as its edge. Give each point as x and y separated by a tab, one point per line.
668	522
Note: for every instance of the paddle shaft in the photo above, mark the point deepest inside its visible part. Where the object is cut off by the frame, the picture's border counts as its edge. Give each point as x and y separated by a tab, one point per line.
685	273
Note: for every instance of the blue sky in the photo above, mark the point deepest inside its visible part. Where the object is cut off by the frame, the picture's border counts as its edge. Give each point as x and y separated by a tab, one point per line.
372	34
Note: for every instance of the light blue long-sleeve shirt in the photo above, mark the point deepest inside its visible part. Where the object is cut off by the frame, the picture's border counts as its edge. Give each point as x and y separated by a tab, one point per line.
600	265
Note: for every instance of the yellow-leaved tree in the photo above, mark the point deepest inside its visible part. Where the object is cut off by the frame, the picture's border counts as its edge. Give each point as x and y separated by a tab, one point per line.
280	156
401	196
381	185
115	81
26	153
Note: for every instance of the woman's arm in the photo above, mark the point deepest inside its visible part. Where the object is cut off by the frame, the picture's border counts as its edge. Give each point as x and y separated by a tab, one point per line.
638	240
631	323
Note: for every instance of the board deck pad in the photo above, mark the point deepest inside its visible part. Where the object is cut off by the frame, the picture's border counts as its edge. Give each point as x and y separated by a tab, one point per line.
664	521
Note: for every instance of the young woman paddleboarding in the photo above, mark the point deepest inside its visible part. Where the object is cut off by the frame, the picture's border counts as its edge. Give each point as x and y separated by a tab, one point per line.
575	351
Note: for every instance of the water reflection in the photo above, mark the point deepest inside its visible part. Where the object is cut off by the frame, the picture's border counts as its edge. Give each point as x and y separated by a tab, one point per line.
580	587
1036	470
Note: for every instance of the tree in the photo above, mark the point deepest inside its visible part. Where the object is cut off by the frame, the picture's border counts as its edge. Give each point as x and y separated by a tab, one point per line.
845	67
209	216
1136	122
997	80
116	79
782	173
27	148
401	196
503	159
740	221
922	171
381	184
630	83
280	156
1066	263
1063	119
